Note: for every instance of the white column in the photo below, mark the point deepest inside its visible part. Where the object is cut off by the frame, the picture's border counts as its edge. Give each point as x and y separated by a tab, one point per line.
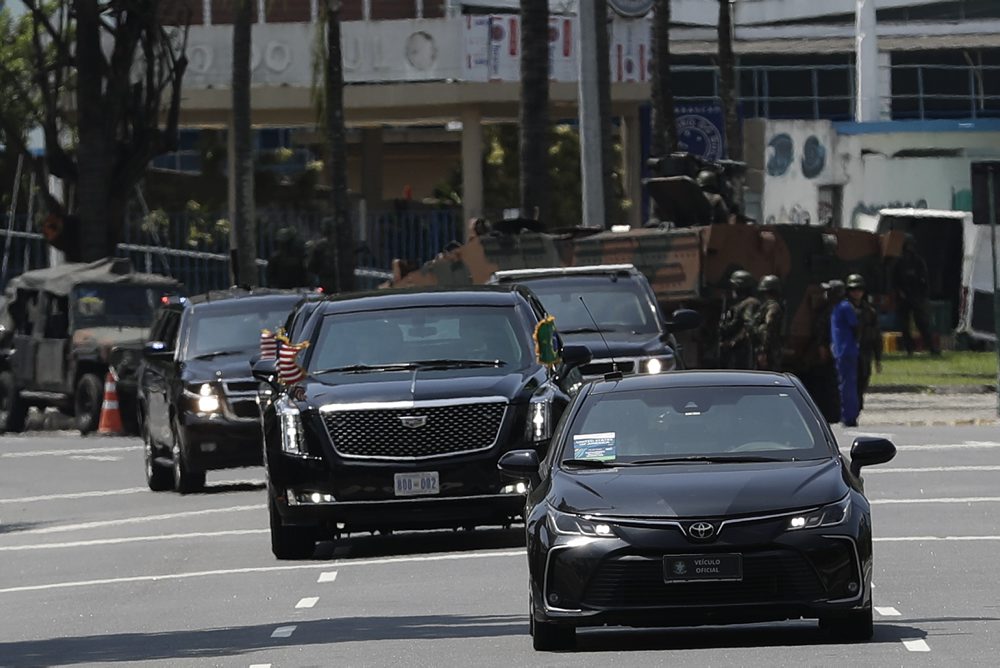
58	192
472	164
885	85
869	99
631	159
589	105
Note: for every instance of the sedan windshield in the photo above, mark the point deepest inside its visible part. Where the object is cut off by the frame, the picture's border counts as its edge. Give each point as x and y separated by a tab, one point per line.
234	328
695	425
617	305
435	337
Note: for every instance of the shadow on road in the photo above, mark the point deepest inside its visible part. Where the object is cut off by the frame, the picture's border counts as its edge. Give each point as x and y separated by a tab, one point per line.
227	487
420	542
15	527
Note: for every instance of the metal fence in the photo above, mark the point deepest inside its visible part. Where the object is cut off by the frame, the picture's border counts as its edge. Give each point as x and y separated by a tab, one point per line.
193	248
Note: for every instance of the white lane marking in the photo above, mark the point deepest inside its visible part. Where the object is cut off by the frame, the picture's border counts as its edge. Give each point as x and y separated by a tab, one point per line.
132	539
949	499
918	645
140	520
887	612
974	445
75	495
260	569
260	665
329	576
283	632
933	469
97	458
921	539
307	602
62	453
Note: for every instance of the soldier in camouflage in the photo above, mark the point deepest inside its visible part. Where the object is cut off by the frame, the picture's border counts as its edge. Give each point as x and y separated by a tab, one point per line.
770	321
869	335
709	182
736	326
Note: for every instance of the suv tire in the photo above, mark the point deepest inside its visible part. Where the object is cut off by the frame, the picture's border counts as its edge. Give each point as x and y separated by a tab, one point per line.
13	409
159	477
289	542
87	402
186	479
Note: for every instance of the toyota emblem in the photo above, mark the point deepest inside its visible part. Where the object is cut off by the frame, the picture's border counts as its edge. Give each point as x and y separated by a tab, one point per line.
413	421
701	530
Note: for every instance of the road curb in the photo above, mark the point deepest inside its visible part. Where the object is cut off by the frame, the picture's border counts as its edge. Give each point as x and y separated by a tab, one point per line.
932	389
977	422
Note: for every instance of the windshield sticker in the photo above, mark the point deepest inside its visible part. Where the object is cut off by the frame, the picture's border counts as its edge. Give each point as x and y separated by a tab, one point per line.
596	447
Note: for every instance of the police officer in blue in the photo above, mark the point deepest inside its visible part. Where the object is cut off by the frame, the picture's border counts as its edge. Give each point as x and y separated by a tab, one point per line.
846	353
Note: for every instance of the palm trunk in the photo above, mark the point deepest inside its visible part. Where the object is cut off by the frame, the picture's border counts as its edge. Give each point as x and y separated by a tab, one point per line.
343	230
612	204
244	227
664	132
727	81
534	111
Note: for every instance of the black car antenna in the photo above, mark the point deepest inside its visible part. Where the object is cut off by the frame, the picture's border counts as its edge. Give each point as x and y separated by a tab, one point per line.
615	373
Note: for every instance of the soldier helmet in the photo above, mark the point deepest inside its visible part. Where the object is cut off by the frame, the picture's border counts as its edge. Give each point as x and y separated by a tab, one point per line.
708	180
855	281
834	289
770	283
741	279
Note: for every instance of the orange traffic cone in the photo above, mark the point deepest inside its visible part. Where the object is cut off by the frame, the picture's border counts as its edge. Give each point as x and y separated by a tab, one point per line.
111	417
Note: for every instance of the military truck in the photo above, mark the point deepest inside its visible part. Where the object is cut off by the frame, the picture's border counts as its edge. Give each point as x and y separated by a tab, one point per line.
61	330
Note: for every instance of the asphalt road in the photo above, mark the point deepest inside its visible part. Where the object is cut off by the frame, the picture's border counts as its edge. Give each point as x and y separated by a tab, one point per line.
94	568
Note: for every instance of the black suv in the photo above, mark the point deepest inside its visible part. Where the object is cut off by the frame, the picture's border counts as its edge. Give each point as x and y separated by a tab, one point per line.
410	399
198	407
624	328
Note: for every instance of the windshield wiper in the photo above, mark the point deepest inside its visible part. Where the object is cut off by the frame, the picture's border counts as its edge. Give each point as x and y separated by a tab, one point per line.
367	368
585	330
457	364
592	463
711	459
217	353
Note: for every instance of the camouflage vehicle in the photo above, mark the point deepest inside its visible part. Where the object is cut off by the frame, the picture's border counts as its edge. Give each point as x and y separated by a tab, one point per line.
62	328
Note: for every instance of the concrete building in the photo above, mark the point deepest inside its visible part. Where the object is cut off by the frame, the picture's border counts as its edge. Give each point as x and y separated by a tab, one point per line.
426	75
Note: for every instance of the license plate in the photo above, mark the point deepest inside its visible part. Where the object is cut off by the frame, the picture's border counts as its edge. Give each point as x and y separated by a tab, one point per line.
417	484
703	568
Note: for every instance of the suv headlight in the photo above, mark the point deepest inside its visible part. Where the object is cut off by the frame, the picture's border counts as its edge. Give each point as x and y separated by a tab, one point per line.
290	423
656	365
827	516
204	397
566	524
539	425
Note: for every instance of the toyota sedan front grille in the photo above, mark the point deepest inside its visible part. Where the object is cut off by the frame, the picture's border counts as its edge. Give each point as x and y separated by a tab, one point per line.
416	432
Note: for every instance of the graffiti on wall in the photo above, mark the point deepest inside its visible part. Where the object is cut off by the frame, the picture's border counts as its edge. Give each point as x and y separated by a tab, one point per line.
813	157
781	156
794	215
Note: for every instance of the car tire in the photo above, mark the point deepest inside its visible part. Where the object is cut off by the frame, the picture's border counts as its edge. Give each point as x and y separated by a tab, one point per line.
159	477
855	626
289	542
87	402
185	478
13	409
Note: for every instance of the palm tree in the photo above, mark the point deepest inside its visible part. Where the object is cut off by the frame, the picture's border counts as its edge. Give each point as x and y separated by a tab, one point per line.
244	229
664	139
340	236
534	111
727	81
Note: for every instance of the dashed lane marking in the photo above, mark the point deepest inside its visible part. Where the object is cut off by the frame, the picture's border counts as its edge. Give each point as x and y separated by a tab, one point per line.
887	612
307	602
75	495
260	665
63	453
967	445
260	569
132	539
932	469
140	520
329	576
96	458
283	632
922	539
918	645
950	499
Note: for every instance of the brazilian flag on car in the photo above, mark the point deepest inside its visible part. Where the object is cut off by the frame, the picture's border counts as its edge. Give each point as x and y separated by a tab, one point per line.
546	342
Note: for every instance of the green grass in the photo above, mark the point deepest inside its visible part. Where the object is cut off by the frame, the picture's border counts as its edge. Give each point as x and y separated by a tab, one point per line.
952	368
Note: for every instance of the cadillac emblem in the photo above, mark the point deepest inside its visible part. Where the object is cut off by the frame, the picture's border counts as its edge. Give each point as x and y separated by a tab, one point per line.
413	421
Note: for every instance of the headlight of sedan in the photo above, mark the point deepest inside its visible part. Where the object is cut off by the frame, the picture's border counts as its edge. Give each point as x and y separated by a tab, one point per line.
827	516
566	524
205	399
539	425
290	423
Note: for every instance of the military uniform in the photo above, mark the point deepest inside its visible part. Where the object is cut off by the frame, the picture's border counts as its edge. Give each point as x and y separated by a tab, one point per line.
909	278
736	334
869	340
769	329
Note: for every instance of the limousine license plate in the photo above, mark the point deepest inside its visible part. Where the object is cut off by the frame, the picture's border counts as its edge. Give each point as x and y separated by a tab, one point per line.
417	484
703	567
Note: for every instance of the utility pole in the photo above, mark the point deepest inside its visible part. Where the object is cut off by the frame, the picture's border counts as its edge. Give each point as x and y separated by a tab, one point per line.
868	99
591	153
991	193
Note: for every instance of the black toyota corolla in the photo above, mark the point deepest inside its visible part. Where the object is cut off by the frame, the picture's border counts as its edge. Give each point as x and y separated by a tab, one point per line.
696	498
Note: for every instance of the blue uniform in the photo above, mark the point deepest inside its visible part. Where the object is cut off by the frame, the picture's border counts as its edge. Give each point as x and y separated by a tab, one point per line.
844	345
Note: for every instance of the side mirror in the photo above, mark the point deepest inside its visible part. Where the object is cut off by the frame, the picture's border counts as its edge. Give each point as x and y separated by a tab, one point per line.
156	350
868	450
574	356
264	370
520	465
683	319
